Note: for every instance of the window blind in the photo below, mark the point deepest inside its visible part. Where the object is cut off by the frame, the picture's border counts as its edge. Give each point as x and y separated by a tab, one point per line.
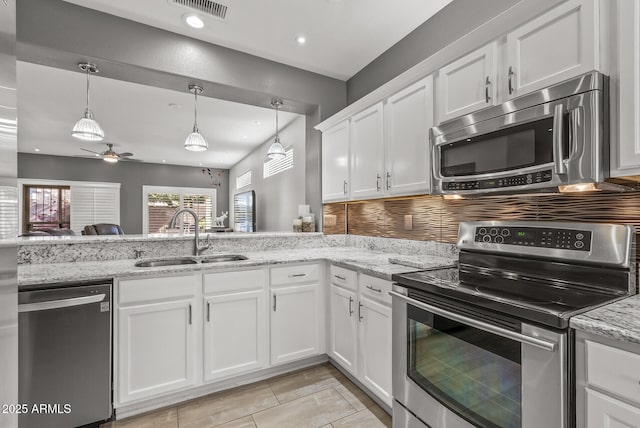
276	166
93	205
8	212
243	180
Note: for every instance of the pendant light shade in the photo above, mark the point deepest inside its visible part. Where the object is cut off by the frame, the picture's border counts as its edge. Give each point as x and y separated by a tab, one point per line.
195	142
87	128
276	150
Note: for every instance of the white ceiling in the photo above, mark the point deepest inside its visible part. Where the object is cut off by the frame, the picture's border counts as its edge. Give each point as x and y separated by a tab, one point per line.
136	118
342	36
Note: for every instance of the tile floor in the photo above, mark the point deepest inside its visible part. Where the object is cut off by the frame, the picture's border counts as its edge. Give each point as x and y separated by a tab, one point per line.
317	397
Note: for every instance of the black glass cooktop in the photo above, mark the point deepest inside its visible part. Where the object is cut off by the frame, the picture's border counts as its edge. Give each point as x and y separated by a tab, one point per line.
538	299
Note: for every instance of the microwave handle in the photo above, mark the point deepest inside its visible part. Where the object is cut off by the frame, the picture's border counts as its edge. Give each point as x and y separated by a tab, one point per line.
559	167
435	156
576	146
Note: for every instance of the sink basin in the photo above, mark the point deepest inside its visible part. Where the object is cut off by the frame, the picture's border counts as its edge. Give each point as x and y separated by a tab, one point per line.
223	258
166	262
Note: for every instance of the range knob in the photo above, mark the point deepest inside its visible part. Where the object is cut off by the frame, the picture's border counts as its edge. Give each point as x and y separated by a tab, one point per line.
499	240
486	238
482	231
578	244
505	232
493	232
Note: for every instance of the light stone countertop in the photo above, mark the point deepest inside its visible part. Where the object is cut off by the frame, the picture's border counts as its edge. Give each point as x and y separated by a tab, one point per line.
365	261
618	320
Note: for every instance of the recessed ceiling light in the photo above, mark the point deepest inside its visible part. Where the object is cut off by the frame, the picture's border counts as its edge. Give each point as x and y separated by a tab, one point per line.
301	40
164	161
200	163
257	122
97	155
37	150
245	137
193	21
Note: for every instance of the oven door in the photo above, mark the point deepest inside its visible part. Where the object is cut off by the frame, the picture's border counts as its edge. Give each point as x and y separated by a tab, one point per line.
462	368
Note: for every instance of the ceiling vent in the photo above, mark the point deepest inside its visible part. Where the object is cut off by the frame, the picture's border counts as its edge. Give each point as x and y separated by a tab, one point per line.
209	7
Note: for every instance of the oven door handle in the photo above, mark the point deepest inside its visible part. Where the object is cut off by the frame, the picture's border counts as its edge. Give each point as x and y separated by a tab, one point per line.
480	325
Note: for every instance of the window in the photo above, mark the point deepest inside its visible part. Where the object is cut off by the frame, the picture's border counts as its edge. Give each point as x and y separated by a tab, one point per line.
276	166
46	207
160	203
243	180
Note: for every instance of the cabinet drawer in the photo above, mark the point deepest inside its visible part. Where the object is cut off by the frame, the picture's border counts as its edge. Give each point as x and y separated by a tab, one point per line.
295	274
614	370
247	280
375	288
150	289
343	277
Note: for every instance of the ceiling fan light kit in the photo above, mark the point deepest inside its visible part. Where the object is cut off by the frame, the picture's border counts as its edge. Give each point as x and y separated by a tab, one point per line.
276	150
112	156
87	128
195	142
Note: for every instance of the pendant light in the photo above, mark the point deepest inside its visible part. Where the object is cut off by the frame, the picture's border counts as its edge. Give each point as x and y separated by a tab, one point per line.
195	142
276	150
87	129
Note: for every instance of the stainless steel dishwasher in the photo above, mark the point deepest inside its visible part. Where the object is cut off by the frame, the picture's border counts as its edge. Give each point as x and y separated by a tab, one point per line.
64	354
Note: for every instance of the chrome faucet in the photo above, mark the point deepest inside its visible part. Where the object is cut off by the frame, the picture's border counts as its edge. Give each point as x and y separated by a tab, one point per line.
197	249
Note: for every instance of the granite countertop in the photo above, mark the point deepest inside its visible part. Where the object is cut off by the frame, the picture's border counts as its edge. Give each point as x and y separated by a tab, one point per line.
78	239
365	261
618	320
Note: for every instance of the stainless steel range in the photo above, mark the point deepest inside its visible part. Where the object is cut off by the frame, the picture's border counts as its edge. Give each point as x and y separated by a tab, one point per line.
488	344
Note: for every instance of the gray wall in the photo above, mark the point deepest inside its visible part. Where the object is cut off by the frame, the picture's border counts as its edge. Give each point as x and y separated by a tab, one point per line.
277	197
131	175
454	21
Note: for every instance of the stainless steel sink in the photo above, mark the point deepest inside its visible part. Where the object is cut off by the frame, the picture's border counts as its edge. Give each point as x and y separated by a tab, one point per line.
166	262
223	258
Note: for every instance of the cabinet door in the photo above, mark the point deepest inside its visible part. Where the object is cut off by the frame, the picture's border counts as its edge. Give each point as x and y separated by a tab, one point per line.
156	345
625	100
553	47
367	154
335	163
468	84
235	334
375	348
409	116
295	323
607	412
343	335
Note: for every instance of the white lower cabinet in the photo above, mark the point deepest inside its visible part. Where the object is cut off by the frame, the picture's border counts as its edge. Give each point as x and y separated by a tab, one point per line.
294	323
607	412
156	336
235	334
360	330
375	348
343	345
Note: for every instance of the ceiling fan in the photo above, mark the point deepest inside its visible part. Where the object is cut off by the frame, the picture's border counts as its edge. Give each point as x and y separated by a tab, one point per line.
110	155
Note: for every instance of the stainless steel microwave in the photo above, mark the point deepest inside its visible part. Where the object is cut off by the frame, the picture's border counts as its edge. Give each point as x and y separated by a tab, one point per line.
551	138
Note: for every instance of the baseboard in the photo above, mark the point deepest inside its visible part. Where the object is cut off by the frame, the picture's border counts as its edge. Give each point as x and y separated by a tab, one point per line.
364	389
155	403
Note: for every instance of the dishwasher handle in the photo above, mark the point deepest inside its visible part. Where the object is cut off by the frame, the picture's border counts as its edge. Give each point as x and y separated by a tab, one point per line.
64	303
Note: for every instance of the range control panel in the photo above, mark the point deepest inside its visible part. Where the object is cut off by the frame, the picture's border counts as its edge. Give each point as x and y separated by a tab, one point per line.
496	183
577	240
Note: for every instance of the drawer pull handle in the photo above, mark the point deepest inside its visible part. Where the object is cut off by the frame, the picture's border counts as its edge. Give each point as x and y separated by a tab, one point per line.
360	317
208	312
297	275
350	307
189	313
275	302
341	278
377	290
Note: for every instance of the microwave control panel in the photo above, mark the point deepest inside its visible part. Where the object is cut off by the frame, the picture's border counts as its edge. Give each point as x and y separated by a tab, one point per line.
565	239
497	183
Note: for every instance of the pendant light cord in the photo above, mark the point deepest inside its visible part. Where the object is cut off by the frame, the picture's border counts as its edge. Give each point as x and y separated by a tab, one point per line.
195	109
277	107
88	73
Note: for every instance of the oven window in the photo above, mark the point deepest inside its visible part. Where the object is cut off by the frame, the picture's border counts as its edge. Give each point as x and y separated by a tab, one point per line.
517	147
474	373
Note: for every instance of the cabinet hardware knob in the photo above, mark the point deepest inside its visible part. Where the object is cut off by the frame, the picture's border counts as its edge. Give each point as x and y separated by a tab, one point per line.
511	74
487	85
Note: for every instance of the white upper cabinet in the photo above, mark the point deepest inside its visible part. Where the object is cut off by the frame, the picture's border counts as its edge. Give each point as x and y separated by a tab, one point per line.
625	96
367	153
335	163
553	47
468	84
409	115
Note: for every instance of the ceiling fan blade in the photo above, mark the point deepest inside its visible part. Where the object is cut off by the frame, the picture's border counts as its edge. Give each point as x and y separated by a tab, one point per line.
125	154
131	160
91	151
87	157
